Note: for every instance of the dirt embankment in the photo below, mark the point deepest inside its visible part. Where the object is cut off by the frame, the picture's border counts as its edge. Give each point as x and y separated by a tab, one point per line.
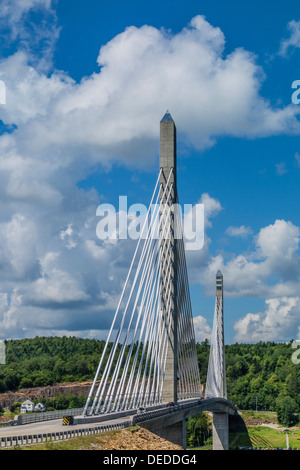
131	439
260	421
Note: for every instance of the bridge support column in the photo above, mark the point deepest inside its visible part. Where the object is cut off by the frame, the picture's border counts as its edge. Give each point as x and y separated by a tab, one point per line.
175	433
220	431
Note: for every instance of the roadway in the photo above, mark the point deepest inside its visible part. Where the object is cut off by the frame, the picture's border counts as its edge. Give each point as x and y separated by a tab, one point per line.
197	405
45	427
52	426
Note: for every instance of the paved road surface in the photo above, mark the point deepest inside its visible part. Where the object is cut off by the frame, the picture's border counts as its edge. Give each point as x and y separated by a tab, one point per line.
56	425
49	426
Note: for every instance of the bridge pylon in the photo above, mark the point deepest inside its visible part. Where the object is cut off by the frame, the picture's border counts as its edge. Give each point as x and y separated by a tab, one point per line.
149	356
216	375
167	163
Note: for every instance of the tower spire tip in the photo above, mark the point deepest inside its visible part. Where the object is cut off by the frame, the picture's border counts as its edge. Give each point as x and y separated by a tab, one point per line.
167	117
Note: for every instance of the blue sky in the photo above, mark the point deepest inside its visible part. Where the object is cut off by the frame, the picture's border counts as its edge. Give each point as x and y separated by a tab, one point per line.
87	84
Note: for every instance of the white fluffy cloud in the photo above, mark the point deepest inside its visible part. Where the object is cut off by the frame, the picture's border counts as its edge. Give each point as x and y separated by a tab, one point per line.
36	38
13	13
270	271
279	321
293	41
113	114
241	231
202	329
55	275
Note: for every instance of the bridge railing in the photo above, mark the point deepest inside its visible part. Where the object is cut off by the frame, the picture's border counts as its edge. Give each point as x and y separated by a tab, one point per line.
182	406
165	411
69	433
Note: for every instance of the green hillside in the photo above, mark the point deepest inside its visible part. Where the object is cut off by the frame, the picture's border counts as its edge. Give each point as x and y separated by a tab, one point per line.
257	374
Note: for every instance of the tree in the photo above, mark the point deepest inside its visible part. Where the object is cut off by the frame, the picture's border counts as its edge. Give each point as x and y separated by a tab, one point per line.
287	410
197	430
26	382
293	385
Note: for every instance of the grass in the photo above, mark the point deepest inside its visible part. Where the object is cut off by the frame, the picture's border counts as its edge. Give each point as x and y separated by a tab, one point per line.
251	414
8	414
263	436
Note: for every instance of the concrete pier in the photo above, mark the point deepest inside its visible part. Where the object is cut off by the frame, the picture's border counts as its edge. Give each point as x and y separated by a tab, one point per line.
220	431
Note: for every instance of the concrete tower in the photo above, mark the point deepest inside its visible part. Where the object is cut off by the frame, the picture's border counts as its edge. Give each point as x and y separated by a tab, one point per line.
216	374
220	332
167	165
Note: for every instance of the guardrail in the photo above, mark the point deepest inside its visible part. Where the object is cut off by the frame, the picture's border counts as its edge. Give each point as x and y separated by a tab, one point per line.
18	441
47	415
4	424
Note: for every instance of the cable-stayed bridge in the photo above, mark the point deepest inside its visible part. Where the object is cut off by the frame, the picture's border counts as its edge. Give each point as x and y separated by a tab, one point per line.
149	358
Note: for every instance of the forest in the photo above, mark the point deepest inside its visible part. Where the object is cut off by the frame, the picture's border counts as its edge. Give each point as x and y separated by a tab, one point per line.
259	376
